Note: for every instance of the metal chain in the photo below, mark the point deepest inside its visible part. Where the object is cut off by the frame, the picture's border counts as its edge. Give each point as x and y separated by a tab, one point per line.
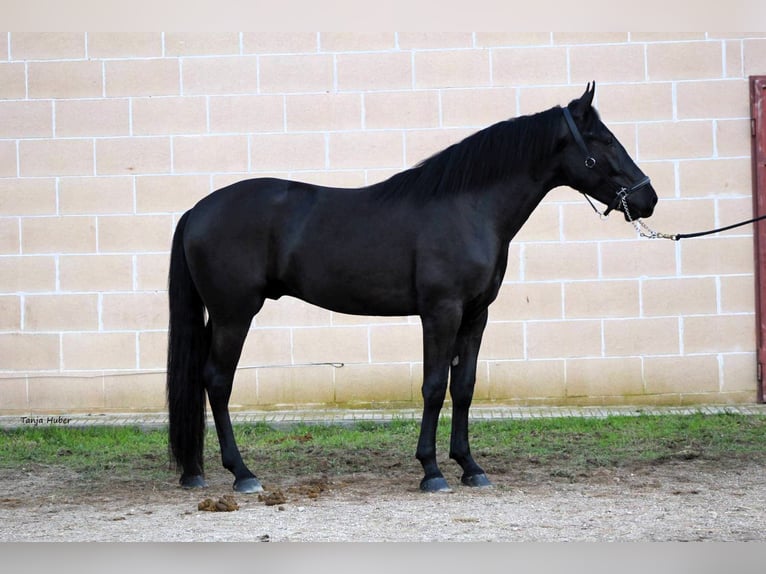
641	228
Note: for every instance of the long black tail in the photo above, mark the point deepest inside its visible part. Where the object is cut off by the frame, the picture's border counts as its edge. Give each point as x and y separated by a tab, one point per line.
187	349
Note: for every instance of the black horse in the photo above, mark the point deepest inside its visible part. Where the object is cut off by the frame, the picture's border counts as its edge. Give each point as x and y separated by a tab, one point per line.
430	241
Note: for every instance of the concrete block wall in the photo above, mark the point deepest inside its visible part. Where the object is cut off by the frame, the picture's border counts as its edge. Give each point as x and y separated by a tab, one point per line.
106	139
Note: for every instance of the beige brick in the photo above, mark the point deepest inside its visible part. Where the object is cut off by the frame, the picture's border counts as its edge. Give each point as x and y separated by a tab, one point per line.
27	274
26	119
503	341
733	138
134	311
754	54
719	333
152	77
287	151
374	384
55	157
108	117
27	196
209	154
684	215
618	62
8	164
296	73
385	71
170	193
452	69
401	110
675	140
682	296
581	224
714	177
247	114
344	319
684	61
142	392
527	300
119	156
152	271
60	312
735	209
546	261
630	337
589	37
424	40
543	225
508	39
290	312
15	399
86	351
665	375
739	373
719	256
124	44
533	99
738	294
296	386
563	339
733	61
95	195
422	144
201	43
220	75
345	178
526	379
67	234
365	149
152	349
269	347
29	352
279	42
330	344
604	377
47	45
13	81
169	115
593	299
527	66
396	343
10	313
66	394
65	79
636	102
716	99
477	107
624	259
134	233
356	41
95	272
10	239
324	112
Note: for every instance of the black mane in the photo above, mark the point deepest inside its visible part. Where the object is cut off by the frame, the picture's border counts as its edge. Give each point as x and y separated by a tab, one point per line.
481	159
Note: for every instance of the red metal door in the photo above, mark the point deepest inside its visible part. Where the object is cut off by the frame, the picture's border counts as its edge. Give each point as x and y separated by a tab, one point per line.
758	115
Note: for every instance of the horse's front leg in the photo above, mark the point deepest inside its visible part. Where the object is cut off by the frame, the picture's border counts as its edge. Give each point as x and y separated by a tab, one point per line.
439	331
462	384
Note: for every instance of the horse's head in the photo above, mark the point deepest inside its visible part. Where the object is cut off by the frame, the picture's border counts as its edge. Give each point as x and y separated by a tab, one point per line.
596	164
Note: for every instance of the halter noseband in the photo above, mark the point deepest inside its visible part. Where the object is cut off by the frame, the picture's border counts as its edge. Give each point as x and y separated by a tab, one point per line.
590	163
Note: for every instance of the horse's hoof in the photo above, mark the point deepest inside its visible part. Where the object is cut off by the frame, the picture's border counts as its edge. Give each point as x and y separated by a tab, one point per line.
248	485
436	484
193	481
477	480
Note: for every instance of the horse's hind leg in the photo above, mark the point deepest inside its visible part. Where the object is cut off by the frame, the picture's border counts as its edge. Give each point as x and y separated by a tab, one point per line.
462	381
225	350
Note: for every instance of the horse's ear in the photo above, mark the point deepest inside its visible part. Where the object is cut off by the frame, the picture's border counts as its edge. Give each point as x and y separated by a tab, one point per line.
581	106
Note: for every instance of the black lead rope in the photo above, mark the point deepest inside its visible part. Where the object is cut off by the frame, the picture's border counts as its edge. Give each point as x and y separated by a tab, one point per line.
680	236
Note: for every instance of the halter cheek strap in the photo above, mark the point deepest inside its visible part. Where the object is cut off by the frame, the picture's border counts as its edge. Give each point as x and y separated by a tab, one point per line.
590	161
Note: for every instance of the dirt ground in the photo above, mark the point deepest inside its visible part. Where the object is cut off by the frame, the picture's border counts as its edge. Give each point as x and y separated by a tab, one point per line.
679	499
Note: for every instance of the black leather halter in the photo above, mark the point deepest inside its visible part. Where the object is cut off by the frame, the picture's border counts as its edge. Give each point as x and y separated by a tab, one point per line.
590	163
